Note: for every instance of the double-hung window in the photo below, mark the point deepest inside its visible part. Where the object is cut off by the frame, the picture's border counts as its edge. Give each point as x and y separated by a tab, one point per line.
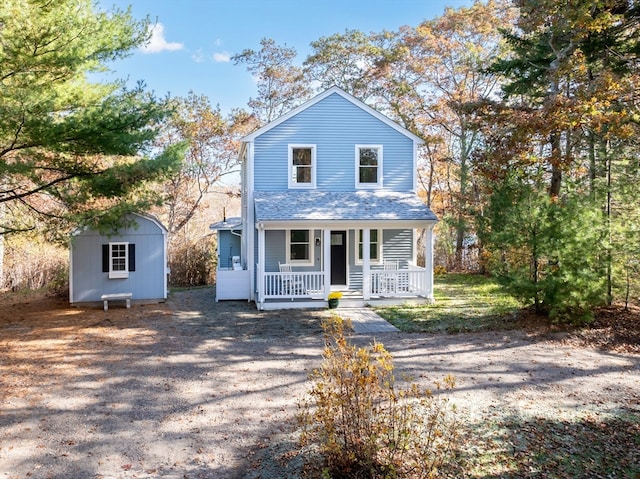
375	246
368	166
118	259
302	166
299	247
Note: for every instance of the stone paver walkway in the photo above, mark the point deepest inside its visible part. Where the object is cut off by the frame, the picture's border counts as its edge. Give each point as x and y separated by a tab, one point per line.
366	320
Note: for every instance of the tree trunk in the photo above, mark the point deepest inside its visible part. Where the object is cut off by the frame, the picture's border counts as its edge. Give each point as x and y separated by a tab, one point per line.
556	171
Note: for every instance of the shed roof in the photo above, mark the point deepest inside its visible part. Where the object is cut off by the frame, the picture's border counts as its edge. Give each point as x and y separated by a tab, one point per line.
322	206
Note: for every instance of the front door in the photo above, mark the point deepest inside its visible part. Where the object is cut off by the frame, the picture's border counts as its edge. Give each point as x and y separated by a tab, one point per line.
338	257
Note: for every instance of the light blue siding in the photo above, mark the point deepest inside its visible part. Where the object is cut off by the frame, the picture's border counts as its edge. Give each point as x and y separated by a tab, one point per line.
335	126
147	282
229	246
275	251
396	245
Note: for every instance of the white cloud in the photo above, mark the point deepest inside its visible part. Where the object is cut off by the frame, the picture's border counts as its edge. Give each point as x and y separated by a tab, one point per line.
222	57
158	43
198	56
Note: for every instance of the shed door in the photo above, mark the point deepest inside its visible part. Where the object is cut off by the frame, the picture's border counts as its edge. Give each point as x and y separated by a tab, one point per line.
338	257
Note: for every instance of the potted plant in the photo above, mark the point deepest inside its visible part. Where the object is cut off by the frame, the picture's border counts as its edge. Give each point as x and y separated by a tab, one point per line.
334	299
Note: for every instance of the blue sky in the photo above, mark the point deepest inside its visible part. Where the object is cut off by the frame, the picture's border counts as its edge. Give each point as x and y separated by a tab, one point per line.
193	40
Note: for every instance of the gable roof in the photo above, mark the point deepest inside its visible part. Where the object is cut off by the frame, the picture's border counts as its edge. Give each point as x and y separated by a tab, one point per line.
320	206
331	91
143	216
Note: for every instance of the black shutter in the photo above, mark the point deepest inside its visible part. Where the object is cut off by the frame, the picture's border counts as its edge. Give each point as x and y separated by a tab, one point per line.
105	258
132	257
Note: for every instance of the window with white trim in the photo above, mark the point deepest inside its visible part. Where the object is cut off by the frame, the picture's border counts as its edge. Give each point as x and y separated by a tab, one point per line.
368	166
299	249
118	260
302	166
375	246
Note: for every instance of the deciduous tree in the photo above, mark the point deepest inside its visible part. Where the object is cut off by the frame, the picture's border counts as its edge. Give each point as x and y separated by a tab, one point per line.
281	85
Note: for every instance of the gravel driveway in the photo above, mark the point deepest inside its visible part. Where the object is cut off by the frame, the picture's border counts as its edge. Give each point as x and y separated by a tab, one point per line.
198	389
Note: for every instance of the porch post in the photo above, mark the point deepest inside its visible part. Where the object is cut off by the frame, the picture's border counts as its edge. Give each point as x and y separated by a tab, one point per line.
366	263
428	262
261	259
326	261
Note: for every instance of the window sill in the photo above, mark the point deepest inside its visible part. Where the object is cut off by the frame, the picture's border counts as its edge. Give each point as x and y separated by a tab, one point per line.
118	275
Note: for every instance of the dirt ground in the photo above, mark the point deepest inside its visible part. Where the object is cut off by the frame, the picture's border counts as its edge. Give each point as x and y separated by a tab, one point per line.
197	389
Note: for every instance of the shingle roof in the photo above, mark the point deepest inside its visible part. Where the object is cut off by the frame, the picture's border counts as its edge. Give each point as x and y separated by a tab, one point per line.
314	205
233	223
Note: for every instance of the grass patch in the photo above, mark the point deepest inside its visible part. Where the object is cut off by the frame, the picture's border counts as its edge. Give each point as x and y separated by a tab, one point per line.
463	303
589	445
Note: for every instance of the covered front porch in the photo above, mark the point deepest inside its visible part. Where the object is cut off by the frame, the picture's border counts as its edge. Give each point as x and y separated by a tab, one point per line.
387	276
307	244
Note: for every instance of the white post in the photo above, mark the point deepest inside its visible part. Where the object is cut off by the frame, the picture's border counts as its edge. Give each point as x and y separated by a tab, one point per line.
326	260
428	262
366	264
261	256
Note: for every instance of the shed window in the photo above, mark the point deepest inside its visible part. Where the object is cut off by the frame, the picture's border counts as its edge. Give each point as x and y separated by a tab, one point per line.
118	259
302	166
368	166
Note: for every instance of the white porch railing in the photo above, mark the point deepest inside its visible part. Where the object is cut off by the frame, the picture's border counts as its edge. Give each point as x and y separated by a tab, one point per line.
400	282
293	285
310	284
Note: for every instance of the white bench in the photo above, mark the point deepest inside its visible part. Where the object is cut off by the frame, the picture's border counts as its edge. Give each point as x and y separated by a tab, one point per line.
116	297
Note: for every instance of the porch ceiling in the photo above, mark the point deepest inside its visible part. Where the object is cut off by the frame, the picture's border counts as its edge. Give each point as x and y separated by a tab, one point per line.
330	206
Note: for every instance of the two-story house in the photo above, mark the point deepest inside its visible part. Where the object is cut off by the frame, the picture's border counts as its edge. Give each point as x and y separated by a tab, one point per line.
328	203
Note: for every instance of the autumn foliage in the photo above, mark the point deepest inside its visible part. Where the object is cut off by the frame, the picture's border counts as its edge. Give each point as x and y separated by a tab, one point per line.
364	425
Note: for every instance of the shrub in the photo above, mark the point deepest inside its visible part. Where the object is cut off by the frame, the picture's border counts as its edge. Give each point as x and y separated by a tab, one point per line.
191	263
30	262
439	270
363	425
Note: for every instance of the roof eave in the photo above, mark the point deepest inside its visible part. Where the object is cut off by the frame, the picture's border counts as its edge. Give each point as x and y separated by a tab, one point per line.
345	224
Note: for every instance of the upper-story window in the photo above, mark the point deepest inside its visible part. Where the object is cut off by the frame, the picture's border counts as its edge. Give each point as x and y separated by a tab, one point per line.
368	166
302	166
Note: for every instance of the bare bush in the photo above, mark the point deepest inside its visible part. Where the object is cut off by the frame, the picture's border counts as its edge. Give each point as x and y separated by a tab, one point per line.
192	263
32	263
364	426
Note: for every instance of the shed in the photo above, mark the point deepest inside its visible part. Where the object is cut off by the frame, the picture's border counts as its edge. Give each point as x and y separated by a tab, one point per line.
132	259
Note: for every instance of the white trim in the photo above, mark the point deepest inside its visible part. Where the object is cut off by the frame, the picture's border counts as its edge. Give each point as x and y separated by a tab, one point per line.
71	288
343	224
322	96
119	274
292	184
428	262
369	186
310	249
415	167
366	265
357	259
250	220
326	260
